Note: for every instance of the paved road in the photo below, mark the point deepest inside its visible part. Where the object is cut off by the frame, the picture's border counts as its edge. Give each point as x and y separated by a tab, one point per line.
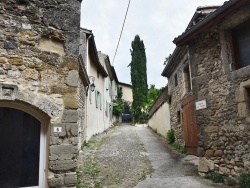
126	153
170	170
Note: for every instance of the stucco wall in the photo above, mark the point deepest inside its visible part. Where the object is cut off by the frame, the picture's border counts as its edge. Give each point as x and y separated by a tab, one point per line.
160	121
127	93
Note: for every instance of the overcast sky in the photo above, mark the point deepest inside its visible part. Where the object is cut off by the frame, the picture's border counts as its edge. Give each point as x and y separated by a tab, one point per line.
157	22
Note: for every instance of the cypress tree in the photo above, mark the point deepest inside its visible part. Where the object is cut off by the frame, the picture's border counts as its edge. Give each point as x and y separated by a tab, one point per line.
138	73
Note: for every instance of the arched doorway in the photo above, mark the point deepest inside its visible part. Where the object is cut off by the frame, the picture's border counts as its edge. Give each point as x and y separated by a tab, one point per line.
23	147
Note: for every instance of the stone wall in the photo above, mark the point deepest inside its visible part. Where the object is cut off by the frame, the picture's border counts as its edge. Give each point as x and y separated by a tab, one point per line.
224	124
39	45
177	93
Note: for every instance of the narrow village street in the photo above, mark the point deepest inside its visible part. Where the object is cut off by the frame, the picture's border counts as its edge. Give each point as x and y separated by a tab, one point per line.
129	156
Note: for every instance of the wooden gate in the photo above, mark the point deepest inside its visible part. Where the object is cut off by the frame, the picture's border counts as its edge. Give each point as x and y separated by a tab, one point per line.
191	129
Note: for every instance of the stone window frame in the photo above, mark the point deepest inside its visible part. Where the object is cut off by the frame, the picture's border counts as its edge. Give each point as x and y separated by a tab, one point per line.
243	99
187	82
176	80
227	40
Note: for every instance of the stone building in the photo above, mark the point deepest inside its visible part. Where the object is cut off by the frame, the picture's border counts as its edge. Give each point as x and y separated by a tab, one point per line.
209	78
42	92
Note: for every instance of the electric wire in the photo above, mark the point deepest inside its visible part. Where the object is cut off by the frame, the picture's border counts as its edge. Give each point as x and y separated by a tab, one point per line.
121	32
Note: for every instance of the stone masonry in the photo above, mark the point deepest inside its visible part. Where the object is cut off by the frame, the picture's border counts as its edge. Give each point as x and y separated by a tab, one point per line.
39	47
224	136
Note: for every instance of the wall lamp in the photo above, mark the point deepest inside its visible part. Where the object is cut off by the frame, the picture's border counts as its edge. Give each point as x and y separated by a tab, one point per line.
91	86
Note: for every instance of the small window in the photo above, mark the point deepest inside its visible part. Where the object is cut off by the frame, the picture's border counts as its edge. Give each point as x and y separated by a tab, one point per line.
187	82
178	116
175	80
241	45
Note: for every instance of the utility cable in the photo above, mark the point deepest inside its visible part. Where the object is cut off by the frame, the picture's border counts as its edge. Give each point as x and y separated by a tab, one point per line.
121	32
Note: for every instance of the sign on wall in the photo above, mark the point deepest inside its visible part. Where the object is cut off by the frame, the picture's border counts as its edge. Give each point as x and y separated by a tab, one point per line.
201	105
57	129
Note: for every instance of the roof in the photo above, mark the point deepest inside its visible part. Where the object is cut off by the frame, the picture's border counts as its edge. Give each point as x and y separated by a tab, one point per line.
125	84
108	65
177	55
83	73
93	52
210	20
114	74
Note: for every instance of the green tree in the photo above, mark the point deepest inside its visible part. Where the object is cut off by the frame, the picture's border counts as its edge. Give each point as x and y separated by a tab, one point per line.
118	107
153	94
138	71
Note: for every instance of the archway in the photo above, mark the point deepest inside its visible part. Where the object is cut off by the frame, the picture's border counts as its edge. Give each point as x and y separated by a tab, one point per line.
23	146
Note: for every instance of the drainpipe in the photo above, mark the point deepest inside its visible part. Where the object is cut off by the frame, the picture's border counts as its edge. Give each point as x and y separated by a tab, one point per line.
86	96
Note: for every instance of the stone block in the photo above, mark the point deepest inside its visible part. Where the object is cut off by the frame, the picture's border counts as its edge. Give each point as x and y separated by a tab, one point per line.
209	153
14	74
205	165
63	149
56	182
243	109
16	60
224	170
211	129
63	165
72	78
3	60
242	95
30	74
72	129
218	153
70	179
60	89
70	116
70	101
66	156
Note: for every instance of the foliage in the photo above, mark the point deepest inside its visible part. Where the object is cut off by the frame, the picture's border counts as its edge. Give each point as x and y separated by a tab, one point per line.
231	181
215	177
153	94
91	170
169	98
138	72
117	110
126	107
244	180
178	147
170	136
167	59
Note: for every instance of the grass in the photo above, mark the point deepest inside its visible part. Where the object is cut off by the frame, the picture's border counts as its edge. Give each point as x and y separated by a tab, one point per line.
178	147
215	177
90	172
244	180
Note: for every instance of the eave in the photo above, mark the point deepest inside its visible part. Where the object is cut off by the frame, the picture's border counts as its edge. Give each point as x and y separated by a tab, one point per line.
212	19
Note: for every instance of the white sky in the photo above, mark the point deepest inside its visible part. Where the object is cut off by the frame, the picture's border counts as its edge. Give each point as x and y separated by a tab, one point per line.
157	22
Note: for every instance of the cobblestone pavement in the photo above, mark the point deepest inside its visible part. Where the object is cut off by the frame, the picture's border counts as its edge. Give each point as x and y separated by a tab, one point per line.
128	156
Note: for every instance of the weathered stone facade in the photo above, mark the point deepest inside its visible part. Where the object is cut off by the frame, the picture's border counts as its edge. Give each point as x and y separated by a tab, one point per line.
224	123
177	92
39	47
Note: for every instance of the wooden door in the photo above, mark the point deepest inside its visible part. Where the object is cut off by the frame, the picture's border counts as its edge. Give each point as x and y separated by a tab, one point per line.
191	129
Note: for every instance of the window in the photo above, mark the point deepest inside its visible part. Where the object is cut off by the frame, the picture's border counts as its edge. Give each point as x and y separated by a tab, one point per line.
98	99
178	116
187	82
241	45
175	80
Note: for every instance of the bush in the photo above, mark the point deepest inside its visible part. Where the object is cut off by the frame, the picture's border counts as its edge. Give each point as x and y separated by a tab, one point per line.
215	177
178	147
170	136
244	180
231	181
